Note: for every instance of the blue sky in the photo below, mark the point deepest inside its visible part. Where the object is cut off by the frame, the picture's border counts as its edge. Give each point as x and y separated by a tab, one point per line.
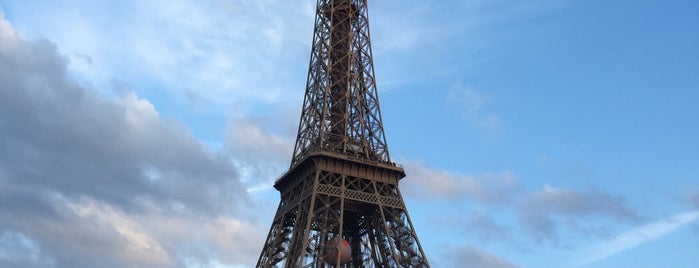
534	133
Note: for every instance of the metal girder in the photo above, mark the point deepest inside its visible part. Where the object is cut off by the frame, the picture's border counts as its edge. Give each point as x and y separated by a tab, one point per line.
342	184
331	201
341	107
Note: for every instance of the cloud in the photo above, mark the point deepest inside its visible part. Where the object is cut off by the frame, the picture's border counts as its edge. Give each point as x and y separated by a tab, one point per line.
548	215
639	236
460	39
223	50
468	256
427	183
92	182
7	32
471	104
484	226
18	250
259	154
396	34
540	211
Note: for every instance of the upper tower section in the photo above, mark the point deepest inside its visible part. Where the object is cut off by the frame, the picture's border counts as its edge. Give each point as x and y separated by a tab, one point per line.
340	113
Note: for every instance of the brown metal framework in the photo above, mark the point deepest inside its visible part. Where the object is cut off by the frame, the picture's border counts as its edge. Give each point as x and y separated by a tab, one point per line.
341	183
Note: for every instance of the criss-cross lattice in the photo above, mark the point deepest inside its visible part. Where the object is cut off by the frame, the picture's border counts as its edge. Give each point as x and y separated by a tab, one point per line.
341	106
341	183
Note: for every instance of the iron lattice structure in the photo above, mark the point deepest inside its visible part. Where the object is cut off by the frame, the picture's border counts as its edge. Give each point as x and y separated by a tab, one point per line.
341	183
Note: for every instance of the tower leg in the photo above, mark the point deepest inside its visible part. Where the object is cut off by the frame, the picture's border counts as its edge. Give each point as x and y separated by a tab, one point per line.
327	205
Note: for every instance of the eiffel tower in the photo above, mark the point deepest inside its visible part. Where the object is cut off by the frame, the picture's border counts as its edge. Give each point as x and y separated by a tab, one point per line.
340	203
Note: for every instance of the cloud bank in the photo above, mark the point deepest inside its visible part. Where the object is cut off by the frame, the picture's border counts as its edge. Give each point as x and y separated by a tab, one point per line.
94	182
500	209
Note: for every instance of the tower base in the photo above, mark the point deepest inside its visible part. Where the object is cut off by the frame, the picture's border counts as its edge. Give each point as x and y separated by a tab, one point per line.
331	196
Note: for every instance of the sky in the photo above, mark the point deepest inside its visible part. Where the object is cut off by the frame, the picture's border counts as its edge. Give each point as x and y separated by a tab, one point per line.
542	133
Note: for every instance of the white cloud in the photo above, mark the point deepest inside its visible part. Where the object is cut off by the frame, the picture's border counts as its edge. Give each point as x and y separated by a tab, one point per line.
471	105
138	246
224	51
18	250
259	154
427	183
468	256
7	32
395	34
638	236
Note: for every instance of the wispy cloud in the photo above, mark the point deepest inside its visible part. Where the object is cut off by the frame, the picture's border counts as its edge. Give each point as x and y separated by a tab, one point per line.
471	105
639	236
18	250
541	212
548	216
469	256
221	50
259	154
428	183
